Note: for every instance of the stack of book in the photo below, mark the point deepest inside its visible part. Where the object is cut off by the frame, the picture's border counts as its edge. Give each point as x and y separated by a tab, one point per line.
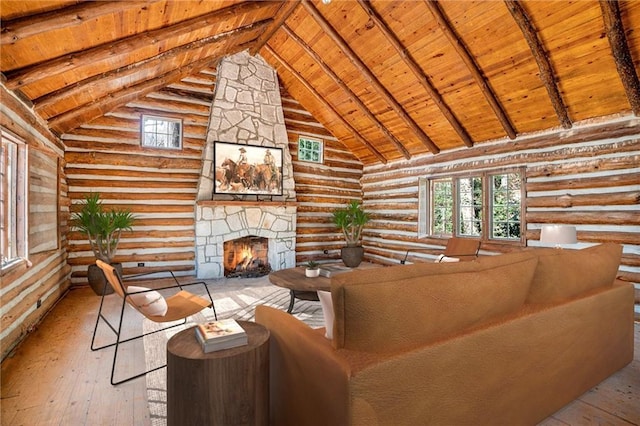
331	270
222	334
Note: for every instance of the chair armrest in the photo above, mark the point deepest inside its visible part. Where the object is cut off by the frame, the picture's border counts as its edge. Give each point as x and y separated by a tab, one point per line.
308	377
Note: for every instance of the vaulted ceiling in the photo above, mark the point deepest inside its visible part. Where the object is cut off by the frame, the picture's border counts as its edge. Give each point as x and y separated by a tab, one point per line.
390	79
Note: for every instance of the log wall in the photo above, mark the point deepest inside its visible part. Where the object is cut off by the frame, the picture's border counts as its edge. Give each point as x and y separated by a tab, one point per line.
158	186
588	176
320	188
28	292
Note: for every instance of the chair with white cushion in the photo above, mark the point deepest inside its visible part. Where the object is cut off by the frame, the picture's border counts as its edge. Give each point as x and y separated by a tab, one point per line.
151	304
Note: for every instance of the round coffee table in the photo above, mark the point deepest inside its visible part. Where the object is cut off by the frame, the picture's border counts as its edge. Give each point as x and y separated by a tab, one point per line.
225	387
300	286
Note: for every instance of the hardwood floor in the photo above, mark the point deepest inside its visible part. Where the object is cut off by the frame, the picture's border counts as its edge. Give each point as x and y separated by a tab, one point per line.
53	378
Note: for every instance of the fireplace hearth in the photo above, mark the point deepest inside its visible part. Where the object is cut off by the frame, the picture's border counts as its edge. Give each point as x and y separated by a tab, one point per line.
246	257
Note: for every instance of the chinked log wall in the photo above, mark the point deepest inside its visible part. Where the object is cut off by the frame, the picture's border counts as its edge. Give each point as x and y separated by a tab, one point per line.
27	293
320	188
588	177
157	185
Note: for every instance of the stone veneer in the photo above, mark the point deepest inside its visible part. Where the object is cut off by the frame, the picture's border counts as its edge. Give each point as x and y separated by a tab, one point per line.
219	223
247	109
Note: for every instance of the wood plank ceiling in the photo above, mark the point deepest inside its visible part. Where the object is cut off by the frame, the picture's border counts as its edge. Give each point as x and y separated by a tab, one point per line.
390	79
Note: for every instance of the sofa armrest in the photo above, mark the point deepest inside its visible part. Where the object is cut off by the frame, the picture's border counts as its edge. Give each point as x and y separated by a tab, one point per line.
308	379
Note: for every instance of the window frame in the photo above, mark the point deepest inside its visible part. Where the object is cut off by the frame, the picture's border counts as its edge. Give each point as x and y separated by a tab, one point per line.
306	154
425	205
17	207
143	132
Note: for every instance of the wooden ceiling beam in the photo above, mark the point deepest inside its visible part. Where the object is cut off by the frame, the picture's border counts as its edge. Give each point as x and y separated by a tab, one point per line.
373	80
142	68
325	104
21	28
466	57
71	119
122	48
354	98
547	74
621	54
282	15
417	71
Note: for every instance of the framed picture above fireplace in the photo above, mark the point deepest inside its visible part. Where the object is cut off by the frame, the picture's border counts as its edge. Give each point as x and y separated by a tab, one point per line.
242	169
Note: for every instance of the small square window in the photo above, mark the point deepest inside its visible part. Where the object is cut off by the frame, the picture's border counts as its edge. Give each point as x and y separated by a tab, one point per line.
310	150
158	132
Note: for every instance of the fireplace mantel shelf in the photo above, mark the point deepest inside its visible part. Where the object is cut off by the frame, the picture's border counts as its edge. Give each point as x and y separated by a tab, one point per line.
213	203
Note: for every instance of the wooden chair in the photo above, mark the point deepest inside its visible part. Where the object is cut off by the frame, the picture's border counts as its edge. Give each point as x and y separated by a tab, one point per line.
462	248
459	248
179	306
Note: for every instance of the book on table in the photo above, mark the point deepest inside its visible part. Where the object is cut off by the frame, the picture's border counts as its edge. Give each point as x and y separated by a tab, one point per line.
221	334
330	270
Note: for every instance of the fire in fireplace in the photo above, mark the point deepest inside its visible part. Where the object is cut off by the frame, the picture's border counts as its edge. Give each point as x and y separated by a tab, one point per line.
246	257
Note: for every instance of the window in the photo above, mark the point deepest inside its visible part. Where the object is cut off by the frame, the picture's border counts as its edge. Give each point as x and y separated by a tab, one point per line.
507	201
160	132
442	202
310	150
468	206
13	198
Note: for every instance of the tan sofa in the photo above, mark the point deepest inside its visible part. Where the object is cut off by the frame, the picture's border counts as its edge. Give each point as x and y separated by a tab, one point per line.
501	340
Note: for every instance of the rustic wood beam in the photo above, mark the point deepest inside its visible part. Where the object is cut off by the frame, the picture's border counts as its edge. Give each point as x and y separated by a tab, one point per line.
325	104
21	28
547	74
134	71
466	57
422	78
621	54
373	80
119	51
71	119
282	15
354	98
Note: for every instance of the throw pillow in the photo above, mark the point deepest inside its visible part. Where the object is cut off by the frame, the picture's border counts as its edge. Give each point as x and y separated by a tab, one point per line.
150	303
446	259
327	311
563	274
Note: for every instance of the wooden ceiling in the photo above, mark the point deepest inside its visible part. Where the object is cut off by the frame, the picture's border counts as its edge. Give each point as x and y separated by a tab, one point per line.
390	79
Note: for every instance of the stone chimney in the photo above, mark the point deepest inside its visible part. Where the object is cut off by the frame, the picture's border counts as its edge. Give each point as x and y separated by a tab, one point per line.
247	109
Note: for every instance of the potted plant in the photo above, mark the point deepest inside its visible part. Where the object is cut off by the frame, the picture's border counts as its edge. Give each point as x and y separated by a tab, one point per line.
103	229
351	220
313	269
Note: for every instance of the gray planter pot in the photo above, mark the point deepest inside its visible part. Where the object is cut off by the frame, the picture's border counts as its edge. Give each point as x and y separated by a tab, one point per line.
352	256
97	280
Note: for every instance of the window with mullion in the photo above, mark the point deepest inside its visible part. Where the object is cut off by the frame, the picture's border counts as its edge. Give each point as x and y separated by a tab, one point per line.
442	202
506	206
13	191
470	206
160	132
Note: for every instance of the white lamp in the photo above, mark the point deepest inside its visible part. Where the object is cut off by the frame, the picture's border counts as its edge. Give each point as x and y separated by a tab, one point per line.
558	234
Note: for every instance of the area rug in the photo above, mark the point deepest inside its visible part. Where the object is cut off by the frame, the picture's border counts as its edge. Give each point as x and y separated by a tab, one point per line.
233	298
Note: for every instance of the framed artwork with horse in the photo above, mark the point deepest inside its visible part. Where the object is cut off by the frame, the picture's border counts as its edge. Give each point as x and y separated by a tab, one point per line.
242	169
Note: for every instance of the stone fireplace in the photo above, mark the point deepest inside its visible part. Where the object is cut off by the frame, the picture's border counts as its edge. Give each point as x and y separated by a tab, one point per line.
246	110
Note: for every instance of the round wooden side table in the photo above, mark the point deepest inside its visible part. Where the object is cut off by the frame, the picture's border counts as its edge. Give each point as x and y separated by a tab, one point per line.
227	387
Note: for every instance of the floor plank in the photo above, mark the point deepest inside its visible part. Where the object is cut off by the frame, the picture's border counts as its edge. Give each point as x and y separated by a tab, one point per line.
53	378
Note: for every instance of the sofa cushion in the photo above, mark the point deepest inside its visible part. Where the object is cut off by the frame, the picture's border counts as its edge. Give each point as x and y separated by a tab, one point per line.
563	274
401	309
364	276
